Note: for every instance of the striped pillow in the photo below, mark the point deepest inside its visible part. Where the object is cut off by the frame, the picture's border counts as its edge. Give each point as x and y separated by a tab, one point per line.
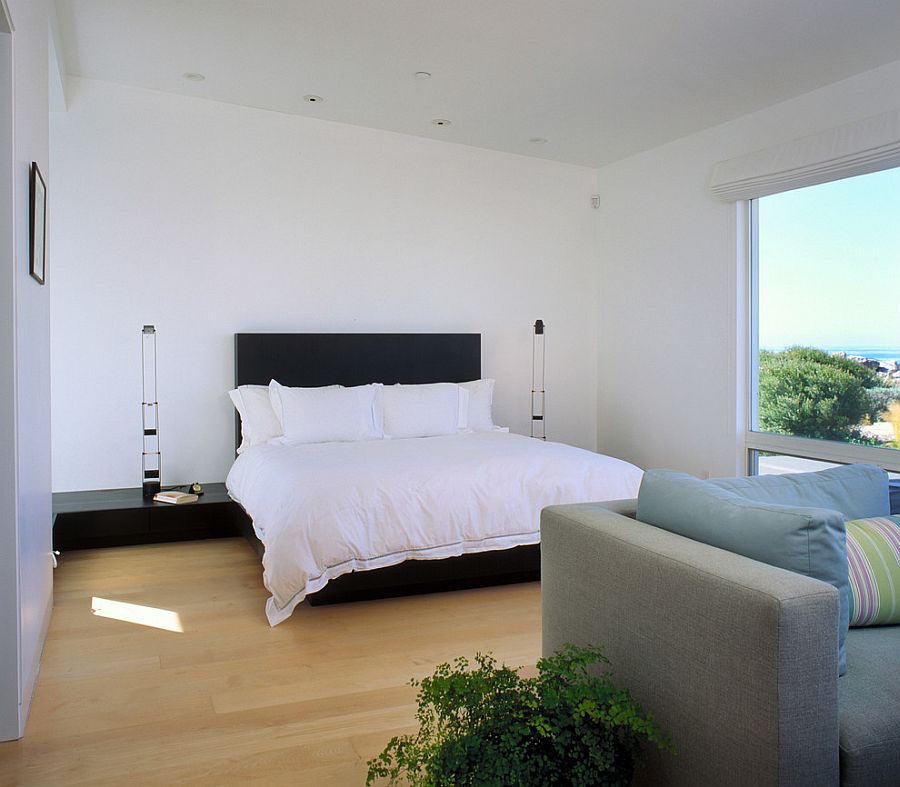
873	554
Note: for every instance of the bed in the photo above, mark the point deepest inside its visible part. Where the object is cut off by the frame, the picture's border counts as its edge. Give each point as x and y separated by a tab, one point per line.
340	521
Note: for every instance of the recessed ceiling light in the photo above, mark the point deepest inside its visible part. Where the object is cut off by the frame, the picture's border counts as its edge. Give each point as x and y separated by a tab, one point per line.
538	141
193	76
312	99
422	75
440	122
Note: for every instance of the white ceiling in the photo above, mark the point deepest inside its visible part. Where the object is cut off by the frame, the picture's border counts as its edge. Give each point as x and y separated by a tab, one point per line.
599	79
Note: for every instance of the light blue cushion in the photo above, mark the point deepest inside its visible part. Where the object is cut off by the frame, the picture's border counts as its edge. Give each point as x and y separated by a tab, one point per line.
803	539
857	491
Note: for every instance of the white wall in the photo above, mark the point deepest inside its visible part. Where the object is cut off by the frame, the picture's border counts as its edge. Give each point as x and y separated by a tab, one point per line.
9	583
671	287
207	219
25	527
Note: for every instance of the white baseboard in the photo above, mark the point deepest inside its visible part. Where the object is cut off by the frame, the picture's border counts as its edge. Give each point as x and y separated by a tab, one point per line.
30	681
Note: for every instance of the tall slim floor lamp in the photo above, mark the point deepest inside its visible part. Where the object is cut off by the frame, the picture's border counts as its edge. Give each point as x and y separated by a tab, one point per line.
538	429
150	458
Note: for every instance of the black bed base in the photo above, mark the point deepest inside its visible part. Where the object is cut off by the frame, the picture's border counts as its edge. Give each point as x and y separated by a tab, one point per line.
414	577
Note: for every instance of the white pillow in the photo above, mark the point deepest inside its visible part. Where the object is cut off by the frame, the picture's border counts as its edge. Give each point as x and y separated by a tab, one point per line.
421	410
325	415
275	402
481	399
258	420
463	417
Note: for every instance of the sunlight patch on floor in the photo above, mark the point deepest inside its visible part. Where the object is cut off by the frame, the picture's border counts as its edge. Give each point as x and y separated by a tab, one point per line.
154	617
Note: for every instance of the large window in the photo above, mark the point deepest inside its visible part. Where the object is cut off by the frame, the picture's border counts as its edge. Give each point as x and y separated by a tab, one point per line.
825	338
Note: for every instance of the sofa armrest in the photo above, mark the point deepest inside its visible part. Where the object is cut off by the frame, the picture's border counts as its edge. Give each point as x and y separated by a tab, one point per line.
735	658
627	507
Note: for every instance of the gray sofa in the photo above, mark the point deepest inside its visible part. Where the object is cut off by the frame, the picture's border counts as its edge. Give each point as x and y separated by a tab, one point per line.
735	658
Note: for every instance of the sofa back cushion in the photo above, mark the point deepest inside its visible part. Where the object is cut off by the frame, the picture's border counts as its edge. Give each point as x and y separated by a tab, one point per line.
857	491
804	539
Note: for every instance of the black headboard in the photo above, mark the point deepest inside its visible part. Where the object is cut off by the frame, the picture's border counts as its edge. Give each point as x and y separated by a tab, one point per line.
309	360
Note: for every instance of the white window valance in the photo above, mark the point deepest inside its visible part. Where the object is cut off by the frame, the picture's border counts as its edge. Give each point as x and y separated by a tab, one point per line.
868	145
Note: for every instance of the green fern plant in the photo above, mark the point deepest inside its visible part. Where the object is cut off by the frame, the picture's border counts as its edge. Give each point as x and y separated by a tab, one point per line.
489	726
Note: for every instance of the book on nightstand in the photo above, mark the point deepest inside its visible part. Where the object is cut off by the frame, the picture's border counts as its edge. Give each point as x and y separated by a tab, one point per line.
175	497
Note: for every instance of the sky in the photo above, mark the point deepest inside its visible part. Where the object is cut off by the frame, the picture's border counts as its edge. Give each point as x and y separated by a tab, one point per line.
829	264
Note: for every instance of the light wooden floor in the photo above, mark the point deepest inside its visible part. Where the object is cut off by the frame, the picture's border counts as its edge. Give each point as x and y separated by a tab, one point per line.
230	700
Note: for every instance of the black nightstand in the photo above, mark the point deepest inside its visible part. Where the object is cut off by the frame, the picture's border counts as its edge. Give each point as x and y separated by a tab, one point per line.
121	517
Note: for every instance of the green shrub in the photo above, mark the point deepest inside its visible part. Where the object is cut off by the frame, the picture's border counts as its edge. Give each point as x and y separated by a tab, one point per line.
491	727
881	398
809	393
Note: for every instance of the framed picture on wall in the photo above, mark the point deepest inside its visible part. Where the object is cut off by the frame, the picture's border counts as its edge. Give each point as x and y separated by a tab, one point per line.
38	214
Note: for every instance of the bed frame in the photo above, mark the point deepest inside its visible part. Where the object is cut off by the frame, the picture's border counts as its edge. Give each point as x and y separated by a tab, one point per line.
316	359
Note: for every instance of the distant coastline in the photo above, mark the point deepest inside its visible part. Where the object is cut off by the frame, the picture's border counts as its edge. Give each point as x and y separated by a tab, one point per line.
874	353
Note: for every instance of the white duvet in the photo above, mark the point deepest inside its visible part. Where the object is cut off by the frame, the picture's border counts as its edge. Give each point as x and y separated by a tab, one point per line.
327	509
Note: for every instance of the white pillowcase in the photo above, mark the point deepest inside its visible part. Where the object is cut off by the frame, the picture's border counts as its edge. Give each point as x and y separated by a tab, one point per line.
422	410
258	420
328	414
463	418
275	402
481	399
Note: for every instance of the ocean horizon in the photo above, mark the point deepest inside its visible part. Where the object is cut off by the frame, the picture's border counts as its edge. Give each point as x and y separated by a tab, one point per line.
886	353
